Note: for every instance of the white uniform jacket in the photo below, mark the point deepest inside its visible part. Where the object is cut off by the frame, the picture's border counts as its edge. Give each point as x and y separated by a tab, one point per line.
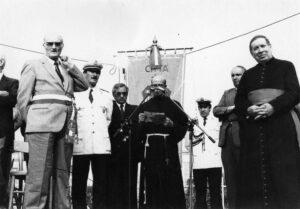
207	154
92	122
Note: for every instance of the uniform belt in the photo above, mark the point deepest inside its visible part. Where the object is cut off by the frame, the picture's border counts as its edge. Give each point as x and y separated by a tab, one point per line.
49	101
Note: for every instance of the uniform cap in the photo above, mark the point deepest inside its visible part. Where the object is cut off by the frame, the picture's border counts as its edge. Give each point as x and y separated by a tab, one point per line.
203	102
93	67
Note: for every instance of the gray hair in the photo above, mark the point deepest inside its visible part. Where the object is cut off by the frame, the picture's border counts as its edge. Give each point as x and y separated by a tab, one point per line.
242	67
51	37
117	86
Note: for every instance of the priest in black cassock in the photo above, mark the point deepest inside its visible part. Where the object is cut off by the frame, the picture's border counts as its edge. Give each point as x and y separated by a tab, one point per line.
162	126
266	95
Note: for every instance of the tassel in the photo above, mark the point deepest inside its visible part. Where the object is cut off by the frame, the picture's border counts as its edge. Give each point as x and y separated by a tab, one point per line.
72	130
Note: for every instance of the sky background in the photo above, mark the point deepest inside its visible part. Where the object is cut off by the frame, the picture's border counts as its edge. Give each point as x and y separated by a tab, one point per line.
97	29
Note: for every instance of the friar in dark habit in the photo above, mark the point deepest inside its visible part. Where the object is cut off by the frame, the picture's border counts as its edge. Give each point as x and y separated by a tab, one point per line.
161	126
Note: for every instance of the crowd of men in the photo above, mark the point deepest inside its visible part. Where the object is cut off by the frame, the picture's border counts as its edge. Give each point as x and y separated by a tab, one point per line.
64	116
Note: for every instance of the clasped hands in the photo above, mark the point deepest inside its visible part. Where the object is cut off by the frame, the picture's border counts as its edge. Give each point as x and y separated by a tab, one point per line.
261	111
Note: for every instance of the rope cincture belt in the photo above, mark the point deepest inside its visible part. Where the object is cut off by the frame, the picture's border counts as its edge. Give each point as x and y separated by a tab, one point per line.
165	144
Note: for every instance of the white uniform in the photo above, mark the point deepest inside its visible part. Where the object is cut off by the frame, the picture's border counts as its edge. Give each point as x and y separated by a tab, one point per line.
92	122
207	154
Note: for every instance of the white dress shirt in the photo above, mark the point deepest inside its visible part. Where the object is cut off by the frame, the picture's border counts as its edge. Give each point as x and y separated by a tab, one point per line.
119	105
207	154
92	122
1	75
52	63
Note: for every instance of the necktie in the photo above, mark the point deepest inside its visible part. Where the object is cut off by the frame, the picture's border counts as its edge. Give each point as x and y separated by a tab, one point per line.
204	121
122	111
58	71
91	98
203	142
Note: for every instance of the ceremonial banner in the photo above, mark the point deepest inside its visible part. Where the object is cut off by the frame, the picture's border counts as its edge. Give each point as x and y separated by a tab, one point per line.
139	73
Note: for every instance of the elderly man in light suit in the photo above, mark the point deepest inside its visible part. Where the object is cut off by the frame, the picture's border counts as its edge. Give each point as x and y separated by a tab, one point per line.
45	103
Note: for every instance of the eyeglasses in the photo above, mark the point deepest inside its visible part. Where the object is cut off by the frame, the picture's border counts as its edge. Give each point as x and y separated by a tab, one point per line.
56	44
119	93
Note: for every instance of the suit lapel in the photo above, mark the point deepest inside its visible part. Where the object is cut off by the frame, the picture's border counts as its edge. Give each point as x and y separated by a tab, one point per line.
128	110
50	69
66	78
3	82
117	109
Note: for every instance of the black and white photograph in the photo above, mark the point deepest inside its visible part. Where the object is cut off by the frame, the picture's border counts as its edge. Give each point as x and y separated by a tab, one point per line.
139	104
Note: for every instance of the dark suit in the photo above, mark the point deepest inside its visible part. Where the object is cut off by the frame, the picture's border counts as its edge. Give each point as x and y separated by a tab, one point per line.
230	142
124	161
6	131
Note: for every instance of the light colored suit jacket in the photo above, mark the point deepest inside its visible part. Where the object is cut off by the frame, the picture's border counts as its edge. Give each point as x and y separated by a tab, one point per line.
39	77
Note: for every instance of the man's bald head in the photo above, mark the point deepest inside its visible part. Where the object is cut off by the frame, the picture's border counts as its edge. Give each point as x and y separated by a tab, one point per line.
53	38
236	74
